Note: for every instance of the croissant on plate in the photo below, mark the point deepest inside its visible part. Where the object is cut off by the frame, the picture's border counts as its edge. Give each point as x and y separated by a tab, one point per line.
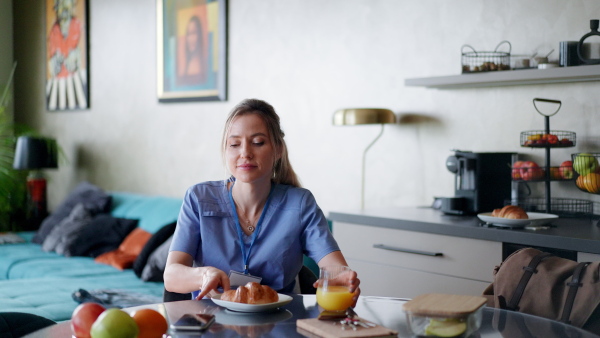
510	212
251	293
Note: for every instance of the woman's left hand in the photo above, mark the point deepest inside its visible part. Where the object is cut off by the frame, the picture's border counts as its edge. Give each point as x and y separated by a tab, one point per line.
354	287
336	258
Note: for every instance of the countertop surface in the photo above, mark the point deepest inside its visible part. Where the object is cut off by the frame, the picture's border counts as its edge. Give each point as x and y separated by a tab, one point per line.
577	234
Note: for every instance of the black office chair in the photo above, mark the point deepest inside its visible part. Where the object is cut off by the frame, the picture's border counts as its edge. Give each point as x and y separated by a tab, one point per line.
306	278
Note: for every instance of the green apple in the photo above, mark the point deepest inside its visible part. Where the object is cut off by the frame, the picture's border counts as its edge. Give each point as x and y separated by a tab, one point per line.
585	163
114	323
445	328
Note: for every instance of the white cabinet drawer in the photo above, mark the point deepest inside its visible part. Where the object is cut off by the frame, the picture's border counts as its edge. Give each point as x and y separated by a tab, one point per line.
388	281
460	257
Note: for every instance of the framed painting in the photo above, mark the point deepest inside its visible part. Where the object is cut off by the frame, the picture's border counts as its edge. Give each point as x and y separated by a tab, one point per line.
67	73
191	50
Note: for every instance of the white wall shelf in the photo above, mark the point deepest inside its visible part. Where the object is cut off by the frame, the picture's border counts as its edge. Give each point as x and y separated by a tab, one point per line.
510	78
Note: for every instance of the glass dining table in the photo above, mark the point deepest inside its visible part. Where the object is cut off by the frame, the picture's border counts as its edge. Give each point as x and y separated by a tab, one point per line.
385	311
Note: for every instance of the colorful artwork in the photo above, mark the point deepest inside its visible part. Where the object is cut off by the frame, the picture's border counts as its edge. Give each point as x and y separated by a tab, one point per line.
191	50
66	60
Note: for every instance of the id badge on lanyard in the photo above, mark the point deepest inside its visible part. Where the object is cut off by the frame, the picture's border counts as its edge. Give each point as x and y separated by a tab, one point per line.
237	278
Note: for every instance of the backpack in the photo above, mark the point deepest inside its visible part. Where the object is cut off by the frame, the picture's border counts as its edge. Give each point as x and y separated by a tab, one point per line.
541	284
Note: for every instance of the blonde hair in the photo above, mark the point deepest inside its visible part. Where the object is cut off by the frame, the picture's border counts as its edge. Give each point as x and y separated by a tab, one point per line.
283	172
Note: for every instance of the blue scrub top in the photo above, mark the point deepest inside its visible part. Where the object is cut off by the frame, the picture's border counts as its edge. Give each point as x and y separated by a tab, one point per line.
292	226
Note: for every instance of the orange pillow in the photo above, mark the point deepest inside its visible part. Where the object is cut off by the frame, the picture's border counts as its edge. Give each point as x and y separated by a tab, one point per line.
130	248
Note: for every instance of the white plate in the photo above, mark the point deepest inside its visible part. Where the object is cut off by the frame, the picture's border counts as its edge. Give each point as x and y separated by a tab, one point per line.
240	307
535	219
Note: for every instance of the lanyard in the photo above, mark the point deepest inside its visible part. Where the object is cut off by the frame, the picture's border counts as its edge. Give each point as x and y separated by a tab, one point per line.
246	255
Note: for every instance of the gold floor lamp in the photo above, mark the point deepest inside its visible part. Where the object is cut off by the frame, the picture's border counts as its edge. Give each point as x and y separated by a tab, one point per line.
356	116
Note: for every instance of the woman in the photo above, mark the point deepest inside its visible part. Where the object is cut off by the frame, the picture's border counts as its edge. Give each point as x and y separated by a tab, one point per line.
261	205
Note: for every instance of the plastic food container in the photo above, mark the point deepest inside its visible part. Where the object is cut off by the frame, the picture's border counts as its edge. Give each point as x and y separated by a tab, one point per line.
442	315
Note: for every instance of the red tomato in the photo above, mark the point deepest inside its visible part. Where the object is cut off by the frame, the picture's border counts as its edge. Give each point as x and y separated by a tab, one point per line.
151	323
83	317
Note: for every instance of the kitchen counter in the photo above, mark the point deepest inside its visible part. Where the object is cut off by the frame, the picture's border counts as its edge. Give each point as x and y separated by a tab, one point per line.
576	234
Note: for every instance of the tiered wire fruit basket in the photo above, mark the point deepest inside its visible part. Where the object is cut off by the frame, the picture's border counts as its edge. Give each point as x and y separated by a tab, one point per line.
525	171
477	62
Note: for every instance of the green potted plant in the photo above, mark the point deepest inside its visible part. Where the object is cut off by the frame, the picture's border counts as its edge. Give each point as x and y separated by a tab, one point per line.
13	188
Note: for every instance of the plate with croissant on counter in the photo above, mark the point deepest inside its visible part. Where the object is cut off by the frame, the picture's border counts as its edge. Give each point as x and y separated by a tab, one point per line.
514	216
252	297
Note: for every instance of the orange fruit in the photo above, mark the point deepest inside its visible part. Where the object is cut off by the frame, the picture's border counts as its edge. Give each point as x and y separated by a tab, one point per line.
150	322
579	183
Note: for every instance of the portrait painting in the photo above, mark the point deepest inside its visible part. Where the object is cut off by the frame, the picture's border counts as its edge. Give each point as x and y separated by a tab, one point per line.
191	50
67	85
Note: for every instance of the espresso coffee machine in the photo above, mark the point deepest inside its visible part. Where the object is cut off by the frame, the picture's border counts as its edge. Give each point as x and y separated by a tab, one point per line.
482	182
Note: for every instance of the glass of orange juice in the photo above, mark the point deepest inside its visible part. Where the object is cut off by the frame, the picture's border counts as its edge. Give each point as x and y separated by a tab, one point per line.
333	292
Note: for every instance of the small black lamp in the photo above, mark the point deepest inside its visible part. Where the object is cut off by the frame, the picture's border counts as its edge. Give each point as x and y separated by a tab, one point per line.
36	153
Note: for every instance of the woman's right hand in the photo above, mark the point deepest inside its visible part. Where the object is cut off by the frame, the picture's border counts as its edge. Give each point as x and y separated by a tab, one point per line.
212	278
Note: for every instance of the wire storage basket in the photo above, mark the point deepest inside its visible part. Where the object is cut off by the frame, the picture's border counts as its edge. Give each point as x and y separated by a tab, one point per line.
564	207
552	139
587	172
476	62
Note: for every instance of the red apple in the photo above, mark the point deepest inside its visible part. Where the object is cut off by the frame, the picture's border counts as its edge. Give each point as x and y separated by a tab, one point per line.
83	317
531	171
566	170
516	170
552	139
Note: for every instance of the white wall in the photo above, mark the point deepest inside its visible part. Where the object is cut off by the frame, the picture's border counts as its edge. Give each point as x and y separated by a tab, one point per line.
309	58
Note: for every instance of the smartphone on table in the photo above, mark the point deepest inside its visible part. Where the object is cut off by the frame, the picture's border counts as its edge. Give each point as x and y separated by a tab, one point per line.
198	322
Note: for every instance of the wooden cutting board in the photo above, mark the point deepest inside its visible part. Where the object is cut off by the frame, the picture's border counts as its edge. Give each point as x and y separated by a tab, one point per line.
314	327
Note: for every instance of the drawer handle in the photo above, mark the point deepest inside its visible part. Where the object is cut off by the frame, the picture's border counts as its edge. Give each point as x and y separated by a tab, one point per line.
416	252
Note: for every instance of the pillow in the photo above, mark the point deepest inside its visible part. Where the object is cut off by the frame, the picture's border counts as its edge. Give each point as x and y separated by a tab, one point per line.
155	267
93	198
155	241
66	231
123	257
104	233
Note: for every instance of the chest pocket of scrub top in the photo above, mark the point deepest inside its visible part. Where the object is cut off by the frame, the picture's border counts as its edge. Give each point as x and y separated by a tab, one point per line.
213	209
214	219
